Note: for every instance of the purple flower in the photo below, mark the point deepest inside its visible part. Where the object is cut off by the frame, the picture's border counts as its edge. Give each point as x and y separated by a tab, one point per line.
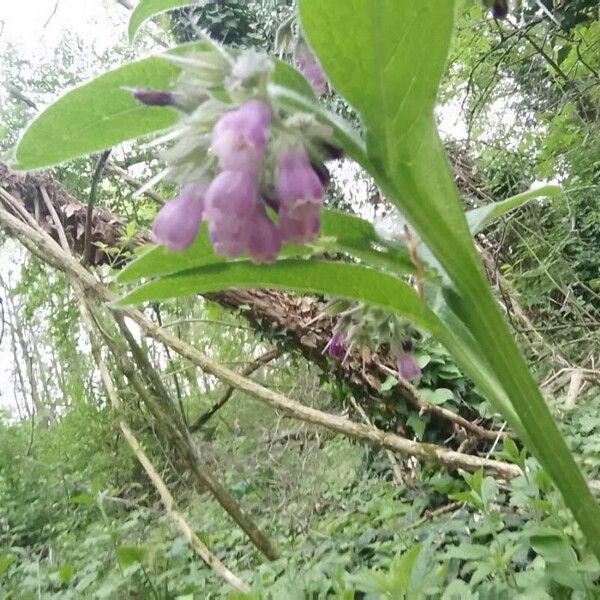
233	195
407	365
265	238
238	223
240	137
300	196
336	346
311	69
231	200
178	221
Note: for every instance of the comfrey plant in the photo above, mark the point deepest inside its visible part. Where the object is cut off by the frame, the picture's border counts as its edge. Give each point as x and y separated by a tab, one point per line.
361	326
245	168
249	138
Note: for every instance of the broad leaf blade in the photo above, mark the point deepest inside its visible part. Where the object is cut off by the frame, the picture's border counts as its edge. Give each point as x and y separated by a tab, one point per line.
146	9
99	114
342	280
479	218
340	232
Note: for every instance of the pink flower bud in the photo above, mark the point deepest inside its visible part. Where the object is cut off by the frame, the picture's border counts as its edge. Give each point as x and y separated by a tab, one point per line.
232	194
407	366
336	347
178	221
240	137
311	69
151	97
300	196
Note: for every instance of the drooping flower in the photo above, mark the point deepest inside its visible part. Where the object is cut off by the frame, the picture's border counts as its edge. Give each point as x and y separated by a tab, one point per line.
336	346
232	194
238	222
408	367
309	66
265	238
178	221
299	195
240	136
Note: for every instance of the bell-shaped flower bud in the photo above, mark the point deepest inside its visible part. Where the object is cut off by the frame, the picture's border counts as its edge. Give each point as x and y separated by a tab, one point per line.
336	346
178	221
233	194
240	137
265	240
309	66
151	97
408	367
238	223
300	197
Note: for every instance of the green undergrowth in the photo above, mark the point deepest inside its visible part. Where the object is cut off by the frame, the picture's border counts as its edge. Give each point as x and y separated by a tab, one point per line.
73	525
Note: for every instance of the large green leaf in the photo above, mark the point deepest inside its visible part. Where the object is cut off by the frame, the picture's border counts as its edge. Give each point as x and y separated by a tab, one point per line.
342	280
340	232
101	113
479	218
386	57
98	114
146	9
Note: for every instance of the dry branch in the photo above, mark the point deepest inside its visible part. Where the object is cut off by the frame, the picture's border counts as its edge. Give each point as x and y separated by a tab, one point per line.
299	321
199	547
45	248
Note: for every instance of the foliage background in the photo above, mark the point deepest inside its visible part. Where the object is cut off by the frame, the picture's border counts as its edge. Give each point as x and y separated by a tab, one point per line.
79	518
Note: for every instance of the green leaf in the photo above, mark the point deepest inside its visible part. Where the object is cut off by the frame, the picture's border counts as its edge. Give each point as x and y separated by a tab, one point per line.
99	114
84	499
389	69
439	396
6	561
128	555
343	280
403	567
339	232
479	218
287	77
417	423
146	9
468	552
65	573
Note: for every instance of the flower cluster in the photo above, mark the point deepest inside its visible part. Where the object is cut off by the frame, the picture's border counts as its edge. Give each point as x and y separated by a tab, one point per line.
359	326
254	176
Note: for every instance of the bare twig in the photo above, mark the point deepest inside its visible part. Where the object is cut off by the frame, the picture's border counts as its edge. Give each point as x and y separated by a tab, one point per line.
199	547
251	368
87	244
51	14
132	181
413	396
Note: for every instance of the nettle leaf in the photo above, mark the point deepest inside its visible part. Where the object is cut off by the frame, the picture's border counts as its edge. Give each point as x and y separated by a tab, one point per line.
146	9
340	232
129	555
479	218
